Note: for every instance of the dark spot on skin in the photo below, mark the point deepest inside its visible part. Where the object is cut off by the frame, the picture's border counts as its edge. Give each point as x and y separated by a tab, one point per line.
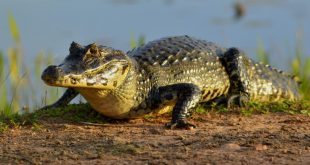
114	83
124	68
214	93
206	95
73	81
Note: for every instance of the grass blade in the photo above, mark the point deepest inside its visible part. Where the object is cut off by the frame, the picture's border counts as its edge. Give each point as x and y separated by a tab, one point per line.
13	28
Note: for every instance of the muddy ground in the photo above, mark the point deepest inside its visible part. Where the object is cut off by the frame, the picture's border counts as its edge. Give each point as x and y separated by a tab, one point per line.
275	138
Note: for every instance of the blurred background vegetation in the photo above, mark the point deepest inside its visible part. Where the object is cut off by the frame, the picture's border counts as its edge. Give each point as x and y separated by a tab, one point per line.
20	82
21	89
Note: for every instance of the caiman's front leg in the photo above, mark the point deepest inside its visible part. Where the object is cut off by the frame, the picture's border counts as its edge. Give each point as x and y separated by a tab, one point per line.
69	95
186	96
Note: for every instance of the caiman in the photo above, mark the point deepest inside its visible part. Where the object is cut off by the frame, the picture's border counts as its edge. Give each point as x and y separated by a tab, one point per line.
172	73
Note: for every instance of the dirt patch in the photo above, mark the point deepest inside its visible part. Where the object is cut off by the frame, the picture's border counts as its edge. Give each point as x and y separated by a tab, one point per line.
219	139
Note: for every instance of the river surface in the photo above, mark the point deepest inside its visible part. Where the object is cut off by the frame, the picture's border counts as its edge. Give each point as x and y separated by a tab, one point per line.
51	26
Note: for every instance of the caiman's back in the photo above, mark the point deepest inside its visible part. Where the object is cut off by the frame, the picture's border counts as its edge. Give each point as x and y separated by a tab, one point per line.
183	59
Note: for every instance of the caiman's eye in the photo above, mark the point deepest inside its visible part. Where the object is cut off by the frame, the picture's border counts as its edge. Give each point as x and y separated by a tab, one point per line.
89	59
93	50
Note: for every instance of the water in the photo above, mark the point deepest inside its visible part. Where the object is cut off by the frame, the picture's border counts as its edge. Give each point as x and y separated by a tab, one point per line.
53	25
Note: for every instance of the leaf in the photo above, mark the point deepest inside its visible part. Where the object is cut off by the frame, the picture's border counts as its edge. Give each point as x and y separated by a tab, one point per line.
1	66
13	65
296	67
306	68
136	43
13	28
141	40
132	41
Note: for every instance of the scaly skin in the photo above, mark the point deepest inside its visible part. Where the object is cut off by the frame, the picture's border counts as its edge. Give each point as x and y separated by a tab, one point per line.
173	73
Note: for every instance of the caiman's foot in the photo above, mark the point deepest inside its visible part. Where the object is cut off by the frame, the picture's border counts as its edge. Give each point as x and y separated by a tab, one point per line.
238	99
69	94
220	101
46	108
52	106
180	124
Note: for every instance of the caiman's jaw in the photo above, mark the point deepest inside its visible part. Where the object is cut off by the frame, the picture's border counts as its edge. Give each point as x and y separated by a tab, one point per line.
108	76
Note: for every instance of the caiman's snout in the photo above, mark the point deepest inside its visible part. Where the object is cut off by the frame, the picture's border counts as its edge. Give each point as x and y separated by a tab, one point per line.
51	73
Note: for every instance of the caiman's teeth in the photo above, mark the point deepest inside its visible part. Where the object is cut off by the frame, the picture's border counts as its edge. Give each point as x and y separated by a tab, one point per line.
103	81
90	81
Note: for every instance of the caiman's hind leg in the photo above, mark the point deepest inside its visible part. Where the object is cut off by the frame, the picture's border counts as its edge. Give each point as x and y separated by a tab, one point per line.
236	69
186	97
257	82
69	95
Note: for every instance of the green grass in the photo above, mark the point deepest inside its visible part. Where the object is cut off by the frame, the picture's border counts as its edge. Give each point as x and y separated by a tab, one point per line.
300	107
79	113
16	120
72	113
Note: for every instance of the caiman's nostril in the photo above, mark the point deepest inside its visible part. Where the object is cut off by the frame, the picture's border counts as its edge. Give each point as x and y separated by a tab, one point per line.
51	73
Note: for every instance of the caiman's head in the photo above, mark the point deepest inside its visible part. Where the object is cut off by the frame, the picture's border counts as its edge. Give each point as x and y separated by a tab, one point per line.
89	66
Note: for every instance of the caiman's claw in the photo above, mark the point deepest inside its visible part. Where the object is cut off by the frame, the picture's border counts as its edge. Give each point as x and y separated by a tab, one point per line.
181	124
238	99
